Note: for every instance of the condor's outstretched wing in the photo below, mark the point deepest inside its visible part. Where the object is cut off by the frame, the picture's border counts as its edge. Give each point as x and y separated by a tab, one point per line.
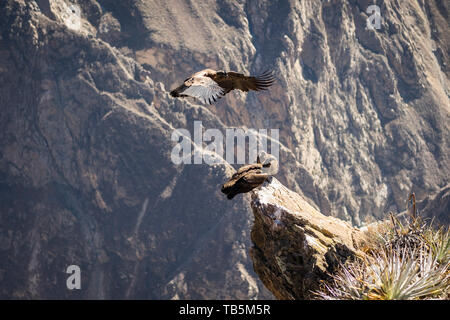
234	80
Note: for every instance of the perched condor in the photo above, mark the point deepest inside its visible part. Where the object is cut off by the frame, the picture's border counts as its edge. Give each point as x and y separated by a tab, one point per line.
250	176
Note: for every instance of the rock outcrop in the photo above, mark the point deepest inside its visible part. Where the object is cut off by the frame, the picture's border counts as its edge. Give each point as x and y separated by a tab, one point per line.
295	247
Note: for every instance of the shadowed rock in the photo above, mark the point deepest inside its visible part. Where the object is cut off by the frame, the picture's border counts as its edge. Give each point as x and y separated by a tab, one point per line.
436	206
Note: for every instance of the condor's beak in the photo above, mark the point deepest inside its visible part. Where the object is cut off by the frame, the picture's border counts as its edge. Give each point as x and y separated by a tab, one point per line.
178	92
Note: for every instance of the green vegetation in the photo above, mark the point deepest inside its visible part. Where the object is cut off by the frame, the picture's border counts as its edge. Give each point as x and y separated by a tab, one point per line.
408	261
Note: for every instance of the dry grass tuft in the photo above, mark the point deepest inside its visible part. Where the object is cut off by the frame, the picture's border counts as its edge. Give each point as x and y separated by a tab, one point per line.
410	262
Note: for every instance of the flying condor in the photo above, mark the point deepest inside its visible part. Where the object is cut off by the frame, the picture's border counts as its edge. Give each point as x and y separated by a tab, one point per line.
209	85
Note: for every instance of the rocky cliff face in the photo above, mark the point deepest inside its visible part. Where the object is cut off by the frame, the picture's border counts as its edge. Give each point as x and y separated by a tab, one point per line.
86	176
364	113
436	206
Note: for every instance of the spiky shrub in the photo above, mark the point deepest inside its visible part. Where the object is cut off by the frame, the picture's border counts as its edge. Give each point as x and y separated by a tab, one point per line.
410	262
439	244
405	274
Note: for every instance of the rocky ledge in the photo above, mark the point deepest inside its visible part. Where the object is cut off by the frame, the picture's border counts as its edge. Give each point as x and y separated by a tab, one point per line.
294	245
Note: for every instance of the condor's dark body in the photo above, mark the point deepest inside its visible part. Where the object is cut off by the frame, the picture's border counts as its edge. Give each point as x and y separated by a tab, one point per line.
245	179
